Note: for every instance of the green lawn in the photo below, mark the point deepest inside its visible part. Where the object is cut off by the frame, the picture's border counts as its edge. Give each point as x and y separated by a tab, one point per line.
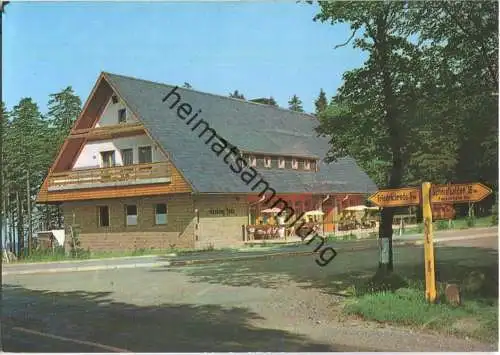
477	317
459	223
59	255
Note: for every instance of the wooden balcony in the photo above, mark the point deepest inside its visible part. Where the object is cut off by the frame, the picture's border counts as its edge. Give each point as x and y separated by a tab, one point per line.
138	174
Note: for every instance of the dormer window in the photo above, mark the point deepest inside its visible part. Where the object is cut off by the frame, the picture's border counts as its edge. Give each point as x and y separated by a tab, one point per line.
295	164
122	115
267	162
307	165
281	163
252	161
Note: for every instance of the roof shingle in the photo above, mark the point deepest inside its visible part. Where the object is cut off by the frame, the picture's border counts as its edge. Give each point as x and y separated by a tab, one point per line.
251	127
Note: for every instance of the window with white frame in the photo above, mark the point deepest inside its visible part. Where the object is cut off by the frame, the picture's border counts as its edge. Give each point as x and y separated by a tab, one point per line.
307	165
108	159
267	162
281	163
103	216
161	213
295	164
145	155
122	115
252	161
131	215
127	156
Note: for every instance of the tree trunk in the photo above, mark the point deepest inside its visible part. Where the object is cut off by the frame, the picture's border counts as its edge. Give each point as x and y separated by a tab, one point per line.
3	216
28	200
20	224
395	142
12	228
8	215
385	241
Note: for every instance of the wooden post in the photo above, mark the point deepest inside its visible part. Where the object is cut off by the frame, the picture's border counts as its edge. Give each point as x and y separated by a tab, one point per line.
430	277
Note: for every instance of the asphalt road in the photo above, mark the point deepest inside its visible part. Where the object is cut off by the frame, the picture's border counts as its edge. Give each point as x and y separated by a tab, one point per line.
285	304
156	261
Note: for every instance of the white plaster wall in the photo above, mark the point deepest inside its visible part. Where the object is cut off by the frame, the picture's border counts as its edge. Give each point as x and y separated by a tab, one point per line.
90	156
109	116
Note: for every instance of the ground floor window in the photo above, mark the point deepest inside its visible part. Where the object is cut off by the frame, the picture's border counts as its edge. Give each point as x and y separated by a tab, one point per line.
103	216
161	213
131	215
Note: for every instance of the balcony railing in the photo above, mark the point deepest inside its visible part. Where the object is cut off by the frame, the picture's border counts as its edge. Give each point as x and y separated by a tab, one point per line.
152	173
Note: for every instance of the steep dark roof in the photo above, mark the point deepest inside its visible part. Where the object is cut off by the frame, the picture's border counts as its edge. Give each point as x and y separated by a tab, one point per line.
250	126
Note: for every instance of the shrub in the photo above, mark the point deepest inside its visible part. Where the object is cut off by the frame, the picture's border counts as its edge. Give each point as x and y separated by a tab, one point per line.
471	221
494	212
440	225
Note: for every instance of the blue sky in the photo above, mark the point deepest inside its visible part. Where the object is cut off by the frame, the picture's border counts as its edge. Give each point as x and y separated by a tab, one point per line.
262	49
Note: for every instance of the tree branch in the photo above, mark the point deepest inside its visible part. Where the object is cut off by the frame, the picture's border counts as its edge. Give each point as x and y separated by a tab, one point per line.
346	42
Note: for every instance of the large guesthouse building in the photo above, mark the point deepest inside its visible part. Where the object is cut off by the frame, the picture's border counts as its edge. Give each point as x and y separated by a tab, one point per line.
148	165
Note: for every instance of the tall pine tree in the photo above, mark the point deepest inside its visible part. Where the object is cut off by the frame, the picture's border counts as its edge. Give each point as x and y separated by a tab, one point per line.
237	95
64	108
321	102
295	104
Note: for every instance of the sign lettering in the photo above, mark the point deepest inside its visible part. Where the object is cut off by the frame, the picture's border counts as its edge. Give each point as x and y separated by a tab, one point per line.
459	193
221	211
398	197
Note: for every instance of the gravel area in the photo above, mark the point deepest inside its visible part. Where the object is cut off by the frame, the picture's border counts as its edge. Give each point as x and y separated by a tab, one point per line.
170	310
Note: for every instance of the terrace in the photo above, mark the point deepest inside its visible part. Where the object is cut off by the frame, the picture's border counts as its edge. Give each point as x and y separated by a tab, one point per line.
137	174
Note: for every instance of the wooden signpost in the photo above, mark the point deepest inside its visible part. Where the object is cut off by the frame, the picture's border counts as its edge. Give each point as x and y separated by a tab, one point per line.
405	196
430	275
457	193
427	195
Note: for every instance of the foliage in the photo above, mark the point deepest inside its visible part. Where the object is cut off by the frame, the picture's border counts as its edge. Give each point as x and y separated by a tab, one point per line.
295	104
471	221
443	70
494	212
237	95
64	109
76	250
321	102
187	85
30	143
47	254
441	225
266	101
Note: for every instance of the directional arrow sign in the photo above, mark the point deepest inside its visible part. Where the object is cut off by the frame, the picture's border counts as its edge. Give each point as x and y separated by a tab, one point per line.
405	196
474	192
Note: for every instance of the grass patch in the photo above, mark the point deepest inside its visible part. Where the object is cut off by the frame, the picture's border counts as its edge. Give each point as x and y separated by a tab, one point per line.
460	223
340	238
477	317
58	254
